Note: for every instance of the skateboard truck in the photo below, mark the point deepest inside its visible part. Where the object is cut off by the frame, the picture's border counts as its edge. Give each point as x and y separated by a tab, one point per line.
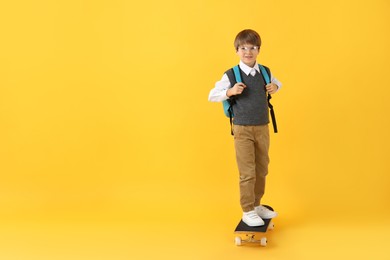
250	238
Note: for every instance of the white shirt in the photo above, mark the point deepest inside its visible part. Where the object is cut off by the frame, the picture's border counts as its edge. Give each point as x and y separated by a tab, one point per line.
218	93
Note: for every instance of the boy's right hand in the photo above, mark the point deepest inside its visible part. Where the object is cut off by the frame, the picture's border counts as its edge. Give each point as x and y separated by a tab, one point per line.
237	89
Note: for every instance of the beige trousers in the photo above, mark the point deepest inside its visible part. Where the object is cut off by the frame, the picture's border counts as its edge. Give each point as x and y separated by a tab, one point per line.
252	146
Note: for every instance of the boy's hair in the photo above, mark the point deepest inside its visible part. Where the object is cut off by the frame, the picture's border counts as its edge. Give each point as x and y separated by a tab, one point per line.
247	36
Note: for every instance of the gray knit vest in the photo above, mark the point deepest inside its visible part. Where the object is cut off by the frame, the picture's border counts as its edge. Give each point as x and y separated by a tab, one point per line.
251	106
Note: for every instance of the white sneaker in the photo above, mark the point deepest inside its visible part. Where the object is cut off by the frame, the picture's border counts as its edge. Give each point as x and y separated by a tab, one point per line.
252	219
265	213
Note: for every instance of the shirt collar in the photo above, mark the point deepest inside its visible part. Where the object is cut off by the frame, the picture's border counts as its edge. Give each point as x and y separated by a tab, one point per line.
246	69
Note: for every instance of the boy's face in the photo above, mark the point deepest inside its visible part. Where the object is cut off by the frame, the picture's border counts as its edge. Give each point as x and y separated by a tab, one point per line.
248	54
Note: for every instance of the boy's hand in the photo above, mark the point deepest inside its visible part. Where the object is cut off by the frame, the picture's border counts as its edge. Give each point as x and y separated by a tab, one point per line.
271	88
237	89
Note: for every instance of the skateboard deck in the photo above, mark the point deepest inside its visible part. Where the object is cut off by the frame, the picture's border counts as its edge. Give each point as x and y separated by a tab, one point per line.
252	232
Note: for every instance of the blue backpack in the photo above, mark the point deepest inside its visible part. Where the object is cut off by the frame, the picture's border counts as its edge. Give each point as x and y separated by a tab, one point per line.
228	104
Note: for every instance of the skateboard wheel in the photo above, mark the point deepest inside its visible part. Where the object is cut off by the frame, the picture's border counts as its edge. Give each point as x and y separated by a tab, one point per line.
238	241
271	226
263	241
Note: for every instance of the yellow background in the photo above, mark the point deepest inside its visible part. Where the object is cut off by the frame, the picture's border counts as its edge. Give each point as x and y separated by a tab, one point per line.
109	148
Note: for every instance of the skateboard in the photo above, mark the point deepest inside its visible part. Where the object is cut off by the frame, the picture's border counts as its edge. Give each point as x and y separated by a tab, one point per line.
251	232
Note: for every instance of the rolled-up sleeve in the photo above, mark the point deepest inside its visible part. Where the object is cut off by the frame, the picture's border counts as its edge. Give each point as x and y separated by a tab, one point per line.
218	93
276	81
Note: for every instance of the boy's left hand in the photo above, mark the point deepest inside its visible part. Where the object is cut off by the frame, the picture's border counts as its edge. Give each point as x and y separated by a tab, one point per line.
271	88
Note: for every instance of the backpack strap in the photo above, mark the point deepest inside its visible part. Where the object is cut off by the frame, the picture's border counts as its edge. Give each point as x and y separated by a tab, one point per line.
265	74
271	108
237	74
237	77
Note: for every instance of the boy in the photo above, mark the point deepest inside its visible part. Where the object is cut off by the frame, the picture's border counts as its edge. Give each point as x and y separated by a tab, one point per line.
250	124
